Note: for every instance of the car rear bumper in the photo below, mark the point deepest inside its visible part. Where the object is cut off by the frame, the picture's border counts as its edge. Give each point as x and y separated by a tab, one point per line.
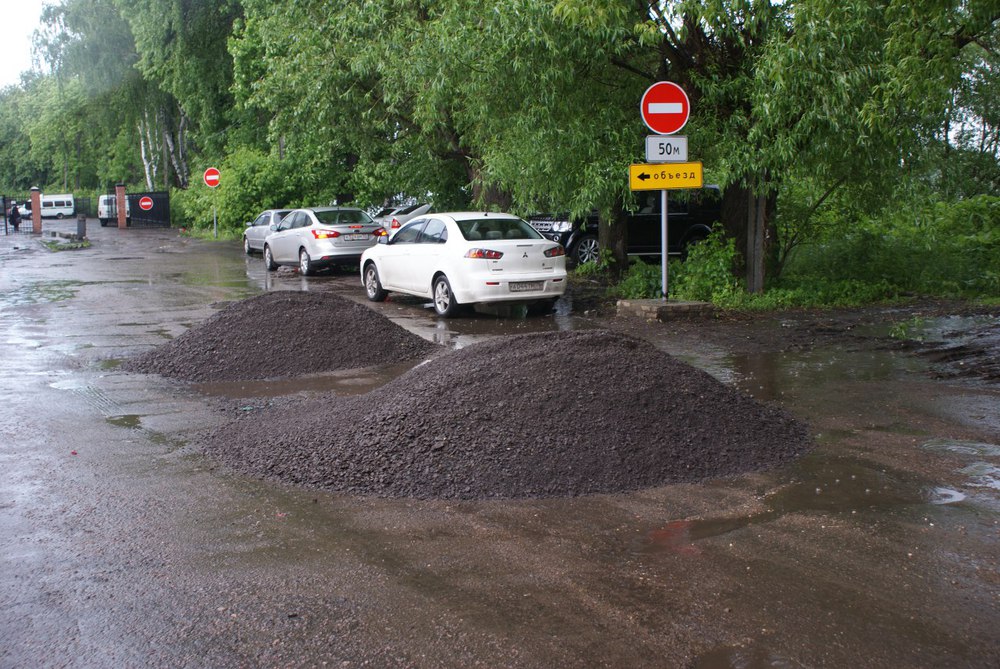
494	289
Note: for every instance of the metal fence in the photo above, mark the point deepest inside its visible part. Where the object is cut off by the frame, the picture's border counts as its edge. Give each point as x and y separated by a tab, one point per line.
81	205
24	227
150	210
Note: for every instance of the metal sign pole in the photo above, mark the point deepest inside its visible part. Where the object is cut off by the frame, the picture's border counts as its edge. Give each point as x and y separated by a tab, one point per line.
664	219
215	222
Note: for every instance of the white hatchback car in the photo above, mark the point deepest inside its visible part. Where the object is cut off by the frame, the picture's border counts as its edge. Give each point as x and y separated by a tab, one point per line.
319	237
466	258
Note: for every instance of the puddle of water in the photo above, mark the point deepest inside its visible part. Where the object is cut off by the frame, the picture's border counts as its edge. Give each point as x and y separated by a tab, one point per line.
972	448
43	291
342	382
772	375
820	483
945	496
751	657
982	475
979	473
937	329
827	484
130	421
475	327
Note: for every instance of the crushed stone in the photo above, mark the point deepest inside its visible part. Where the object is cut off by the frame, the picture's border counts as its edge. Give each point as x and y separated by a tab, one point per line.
278	335
536	415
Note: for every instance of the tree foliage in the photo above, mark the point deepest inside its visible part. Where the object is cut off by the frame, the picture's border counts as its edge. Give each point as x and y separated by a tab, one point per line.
810	114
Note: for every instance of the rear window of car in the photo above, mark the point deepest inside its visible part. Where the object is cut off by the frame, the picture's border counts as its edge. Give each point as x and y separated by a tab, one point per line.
409	210
343	216
497	228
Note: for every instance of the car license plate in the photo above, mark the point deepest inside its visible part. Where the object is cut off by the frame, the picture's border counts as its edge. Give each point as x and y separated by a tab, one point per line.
357	236
525	286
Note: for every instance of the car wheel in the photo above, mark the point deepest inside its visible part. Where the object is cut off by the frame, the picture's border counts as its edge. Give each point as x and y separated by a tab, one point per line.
543	306
444	300
373	286
59	216
104	222
246	246
587	250
269	263
305	264
691	243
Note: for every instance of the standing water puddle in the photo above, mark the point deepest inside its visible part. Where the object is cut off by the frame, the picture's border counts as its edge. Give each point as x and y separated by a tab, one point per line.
829	484
342	382
822	483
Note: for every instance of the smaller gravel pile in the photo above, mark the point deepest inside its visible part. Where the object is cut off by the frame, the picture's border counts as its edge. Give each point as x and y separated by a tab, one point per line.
538	415
281	334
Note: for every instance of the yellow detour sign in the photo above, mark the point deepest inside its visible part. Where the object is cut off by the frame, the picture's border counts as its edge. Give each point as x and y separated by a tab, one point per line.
665	176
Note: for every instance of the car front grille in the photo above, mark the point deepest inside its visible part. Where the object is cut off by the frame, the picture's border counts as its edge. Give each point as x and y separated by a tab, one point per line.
541	226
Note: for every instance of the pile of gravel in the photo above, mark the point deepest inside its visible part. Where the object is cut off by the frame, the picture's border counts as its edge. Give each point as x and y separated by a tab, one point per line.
281	334
555	414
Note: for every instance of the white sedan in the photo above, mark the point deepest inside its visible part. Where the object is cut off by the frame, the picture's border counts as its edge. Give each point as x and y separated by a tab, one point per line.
466	258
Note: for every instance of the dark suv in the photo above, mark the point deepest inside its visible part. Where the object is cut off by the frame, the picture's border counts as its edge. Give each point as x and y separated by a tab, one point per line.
691	215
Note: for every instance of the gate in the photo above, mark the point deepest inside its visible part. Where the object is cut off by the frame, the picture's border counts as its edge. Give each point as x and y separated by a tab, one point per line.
8	228
149	210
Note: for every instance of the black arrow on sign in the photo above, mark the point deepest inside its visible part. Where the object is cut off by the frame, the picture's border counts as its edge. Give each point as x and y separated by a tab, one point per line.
643	176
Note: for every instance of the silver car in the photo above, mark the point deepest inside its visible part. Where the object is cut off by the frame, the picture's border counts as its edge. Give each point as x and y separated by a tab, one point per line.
259	228
319	237
403	215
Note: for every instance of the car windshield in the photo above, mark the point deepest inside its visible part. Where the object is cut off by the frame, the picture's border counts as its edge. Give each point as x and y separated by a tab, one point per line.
342	216
497	228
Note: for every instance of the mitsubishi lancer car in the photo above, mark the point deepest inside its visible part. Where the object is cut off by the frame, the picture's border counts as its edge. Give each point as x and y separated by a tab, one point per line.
466	258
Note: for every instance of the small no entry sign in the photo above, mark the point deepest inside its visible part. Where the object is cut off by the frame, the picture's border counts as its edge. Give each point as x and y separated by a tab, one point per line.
212	177
145	203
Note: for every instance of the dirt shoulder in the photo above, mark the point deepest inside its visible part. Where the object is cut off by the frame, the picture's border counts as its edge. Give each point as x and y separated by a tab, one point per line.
961	339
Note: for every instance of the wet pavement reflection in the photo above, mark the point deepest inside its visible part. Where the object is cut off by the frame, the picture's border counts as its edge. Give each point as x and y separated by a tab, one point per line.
123	546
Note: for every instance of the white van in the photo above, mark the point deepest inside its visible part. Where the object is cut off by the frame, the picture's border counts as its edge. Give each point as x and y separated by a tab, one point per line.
58	206
107	210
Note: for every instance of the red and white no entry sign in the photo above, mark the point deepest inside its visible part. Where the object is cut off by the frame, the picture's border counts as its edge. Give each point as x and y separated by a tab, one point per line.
145	203
665	107
212	177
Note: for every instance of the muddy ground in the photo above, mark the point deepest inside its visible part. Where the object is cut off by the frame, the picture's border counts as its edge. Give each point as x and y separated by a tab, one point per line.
121	544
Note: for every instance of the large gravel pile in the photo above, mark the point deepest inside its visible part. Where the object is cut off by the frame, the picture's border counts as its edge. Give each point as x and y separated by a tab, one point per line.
281	334
534	415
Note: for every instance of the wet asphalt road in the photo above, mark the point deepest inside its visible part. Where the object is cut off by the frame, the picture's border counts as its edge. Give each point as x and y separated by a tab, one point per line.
121	547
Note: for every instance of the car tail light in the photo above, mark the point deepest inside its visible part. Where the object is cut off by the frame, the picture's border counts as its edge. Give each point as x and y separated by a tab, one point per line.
356	227
380	232
325	234
395	223
486	254
555	252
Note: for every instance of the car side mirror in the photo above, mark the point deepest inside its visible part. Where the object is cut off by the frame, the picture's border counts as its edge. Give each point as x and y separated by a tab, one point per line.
248	223
273	227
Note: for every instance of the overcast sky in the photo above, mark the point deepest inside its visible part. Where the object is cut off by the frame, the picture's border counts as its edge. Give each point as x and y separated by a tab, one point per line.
20	20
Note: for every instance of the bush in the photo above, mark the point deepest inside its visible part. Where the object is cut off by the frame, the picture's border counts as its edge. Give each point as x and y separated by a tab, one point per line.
707	274
946	249
641	281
